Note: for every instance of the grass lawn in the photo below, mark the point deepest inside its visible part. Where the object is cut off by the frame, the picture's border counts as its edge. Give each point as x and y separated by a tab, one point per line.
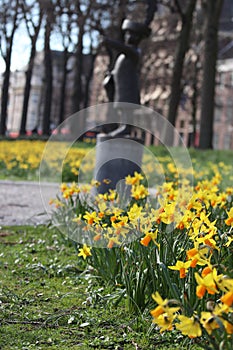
48	300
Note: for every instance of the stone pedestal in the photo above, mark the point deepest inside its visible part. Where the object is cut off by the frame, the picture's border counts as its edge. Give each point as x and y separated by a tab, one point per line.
116	157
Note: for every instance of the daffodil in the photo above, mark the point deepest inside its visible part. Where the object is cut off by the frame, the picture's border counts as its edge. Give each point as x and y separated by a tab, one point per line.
134	213
227	298
194	203
119	221
168	215
229	220
112	195
228	326
139	192
197	255
78	219
133	180
155	214
205	284
151	235
229	241
75	188
189	326
63	187
95	183
163	306
223	282
85	251
229	191
165	322
67	193
56	202
186	220
103	209
182	267
208	321
91	218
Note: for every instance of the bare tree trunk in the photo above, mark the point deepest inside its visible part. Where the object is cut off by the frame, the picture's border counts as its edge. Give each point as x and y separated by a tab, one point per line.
48	80
77	98
7	58
86	97
27	87
194	103
209	73
179	61
77	92
63	86
4	97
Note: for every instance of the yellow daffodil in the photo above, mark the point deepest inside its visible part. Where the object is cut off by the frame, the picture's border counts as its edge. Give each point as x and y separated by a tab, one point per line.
139	192
95	183
91	218
151	235
189	326
182	267
67	193
220	309
208	321
186	220
74	188
85	251
119	221
134	213
197	255
63	187
133	180
163	306
205	284
229	241
56	202
78	219
228	326
164	321
223	282
112	195
229	191
229	220
227	298
168	215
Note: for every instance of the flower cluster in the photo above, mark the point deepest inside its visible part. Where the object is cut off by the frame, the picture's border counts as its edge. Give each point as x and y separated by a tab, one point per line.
217	316
207	225
103	217
183	233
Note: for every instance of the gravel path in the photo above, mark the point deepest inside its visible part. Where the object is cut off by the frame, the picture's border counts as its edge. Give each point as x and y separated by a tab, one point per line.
25	203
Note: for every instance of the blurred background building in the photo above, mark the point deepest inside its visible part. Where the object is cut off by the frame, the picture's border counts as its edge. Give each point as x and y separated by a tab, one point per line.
156	73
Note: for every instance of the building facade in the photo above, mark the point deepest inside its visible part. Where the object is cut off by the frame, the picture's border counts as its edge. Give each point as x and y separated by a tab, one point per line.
35	106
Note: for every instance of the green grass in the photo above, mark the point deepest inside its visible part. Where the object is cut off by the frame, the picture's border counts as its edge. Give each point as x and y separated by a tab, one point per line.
200	156
49	300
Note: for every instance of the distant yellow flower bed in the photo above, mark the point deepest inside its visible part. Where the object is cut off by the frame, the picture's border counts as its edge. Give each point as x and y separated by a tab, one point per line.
21	154
23	158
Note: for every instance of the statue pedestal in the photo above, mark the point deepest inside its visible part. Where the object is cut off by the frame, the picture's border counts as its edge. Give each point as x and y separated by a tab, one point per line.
116	157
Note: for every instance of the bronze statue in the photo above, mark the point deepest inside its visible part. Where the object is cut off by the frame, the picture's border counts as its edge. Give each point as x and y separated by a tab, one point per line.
117	154
122	83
